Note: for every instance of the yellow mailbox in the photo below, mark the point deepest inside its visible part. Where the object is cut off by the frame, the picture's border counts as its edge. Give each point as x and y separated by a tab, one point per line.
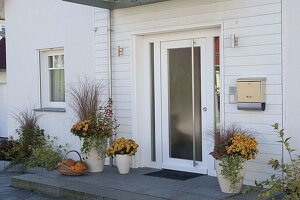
251	94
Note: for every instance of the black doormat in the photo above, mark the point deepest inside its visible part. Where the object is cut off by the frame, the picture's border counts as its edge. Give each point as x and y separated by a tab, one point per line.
175	175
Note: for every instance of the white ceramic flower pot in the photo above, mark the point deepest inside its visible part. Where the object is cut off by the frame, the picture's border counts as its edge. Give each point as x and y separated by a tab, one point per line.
94	162
123	163
225	184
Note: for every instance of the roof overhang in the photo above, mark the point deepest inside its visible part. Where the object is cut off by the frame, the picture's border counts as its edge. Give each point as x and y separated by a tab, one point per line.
115	4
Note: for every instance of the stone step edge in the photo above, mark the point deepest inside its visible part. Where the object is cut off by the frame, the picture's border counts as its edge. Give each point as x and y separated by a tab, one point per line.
55	191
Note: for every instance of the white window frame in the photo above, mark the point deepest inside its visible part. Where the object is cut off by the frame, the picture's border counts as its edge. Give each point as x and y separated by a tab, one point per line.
45	78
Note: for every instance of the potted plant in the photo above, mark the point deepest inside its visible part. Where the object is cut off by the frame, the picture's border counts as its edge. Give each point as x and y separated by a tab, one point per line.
95	123
123	149
233	147
94	134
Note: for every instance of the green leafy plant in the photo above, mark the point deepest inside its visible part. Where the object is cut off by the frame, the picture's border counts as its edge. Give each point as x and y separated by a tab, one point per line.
288	182
231	167
47	155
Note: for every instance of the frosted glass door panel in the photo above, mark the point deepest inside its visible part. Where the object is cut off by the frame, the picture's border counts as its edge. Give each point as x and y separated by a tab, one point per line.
181	103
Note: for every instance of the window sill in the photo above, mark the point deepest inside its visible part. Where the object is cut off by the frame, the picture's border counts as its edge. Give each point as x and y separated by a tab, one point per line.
61	110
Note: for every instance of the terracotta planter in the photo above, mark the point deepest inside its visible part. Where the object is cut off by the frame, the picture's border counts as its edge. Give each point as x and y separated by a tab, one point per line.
225	184
123	163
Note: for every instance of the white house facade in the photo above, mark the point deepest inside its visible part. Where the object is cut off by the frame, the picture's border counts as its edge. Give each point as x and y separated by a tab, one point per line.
3	82
171	65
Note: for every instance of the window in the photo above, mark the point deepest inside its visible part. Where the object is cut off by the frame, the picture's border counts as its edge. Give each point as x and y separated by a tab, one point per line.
52	79
217	82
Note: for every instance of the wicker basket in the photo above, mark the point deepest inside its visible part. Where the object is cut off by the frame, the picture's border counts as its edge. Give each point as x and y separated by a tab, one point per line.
66	170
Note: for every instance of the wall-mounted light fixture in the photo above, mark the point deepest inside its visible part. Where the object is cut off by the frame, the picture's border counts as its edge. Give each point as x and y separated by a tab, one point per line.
234	41
120	51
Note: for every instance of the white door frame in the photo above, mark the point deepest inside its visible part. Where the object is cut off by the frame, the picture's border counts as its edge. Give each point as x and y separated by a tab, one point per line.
141	98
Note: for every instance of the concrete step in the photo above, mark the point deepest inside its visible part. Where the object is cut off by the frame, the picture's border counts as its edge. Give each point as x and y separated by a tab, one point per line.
73	190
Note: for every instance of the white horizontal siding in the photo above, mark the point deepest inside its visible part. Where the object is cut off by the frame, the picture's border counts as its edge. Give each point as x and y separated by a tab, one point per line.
257	24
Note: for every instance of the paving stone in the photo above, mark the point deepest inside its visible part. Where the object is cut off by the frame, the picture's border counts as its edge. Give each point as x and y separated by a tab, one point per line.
160	192
93	191
193	197
111	185
213	192
148	198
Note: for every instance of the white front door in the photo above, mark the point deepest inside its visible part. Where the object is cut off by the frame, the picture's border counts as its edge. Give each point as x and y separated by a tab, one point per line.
187	102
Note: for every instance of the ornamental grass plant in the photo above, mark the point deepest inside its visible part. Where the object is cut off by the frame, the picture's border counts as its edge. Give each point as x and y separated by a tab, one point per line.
85	98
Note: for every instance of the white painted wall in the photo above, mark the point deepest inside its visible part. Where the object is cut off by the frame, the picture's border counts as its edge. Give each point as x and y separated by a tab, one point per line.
257	23
39	24
3	104
2	10
291	70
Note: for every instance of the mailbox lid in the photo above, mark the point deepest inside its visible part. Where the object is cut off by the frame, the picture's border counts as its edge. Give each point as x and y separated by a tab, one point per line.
249	91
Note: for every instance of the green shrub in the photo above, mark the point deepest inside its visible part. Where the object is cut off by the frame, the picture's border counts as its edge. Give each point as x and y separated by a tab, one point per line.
32	148
289	182
46	156
10	149
30	137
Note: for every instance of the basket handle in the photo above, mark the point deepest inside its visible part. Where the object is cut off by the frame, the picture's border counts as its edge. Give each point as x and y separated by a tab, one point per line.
74	152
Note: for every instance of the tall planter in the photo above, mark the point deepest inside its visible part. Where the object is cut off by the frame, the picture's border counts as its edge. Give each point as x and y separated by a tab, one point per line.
95	162
225	184
123	163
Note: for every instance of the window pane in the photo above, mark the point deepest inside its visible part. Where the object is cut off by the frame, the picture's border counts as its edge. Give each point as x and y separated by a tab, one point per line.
50	62
217	82
153	145
57	85
180	104
58	61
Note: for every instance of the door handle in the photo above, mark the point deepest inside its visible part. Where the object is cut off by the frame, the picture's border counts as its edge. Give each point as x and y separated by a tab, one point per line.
204	109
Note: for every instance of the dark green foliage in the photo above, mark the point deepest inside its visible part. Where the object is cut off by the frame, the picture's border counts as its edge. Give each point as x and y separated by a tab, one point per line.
9	149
